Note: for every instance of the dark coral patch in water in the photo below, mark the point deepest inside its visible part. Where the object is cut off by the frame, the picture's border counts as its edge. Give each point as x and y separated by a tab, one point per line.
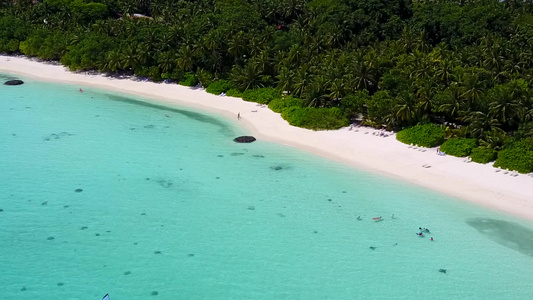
60	284
258	156
149	126
244	139
157	252
84	227
220	155
190	255
78	190
165	183
97	234
127	273
50	238
154	293
251	207
1	210
280	167
23	289
237	154
508	234
44	203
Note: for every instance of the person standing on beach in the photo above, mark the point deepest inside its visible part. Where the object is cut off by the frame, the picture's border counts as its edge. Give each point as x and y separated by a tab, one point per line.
238	116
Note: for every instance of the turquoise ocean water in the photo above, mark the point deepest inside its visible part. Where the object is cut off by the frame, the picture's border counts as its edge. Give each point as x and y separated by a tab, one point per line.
102	193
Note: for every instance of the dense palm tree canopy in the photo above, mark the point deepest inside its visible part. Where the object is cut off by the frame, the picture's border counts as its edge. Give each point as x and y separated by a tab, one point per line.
466	64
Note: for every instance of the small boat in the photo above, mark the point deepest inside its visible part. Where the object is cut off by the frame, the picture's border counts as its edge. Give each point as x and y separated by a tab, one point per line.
106	297
376	218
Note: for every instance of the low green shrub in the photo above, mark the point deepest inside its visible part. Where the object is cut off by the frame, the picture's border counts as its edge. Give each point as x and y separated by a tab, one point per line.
217	87
234	93
262	95
280	104
483	155
517	156
426	135
315	118
458	147
189	79
205	78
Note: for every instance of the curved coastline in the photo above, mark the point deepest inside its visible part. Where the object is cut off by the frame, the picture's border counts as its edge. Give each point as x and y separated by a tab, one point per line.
359	147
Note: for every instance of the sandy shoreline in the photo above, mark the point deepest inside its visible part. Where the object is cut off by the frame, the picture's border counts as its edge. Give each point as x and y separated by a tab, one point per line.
358	147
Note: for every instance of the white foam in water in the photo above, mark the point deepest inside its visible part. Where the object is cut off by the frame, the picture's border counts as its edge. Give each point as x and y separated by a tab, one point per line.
102	195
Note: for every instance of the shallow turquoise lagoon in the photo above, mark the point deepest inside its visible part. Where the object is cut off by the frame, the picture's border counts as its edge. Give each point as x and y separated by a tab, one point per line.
102	193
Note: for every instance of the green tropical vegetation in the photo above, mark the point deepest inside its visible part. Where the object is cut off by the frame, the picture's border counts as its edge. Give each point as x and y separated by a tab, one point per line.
218	87
280	104
483	155
458	147
424	135
517	156
463	65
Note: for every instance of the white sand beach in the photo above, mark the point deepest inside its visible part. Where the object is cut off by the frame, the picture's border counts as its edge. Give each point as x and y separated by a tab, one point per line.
360	147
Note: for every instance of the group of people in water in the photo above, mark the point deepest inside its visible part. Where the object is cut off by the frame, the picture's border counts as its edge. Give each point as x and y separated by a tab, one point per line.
422	231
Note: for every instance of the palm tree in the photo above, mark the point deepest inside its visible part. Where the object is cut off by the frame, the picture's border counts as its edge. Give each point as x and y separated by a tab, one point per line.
405	110
185	58
302	80
502	105
129	58
248	77
113	62
166	62
444	70
362	77
452	104
473	89
285	80
317	95
425	96
480	124
144	53
337	89
494	139
236	46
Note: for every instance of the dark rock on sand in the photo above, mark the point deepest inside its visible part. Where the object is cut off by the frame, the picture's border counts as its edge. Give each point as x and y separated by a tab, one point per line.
14	82
244	139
